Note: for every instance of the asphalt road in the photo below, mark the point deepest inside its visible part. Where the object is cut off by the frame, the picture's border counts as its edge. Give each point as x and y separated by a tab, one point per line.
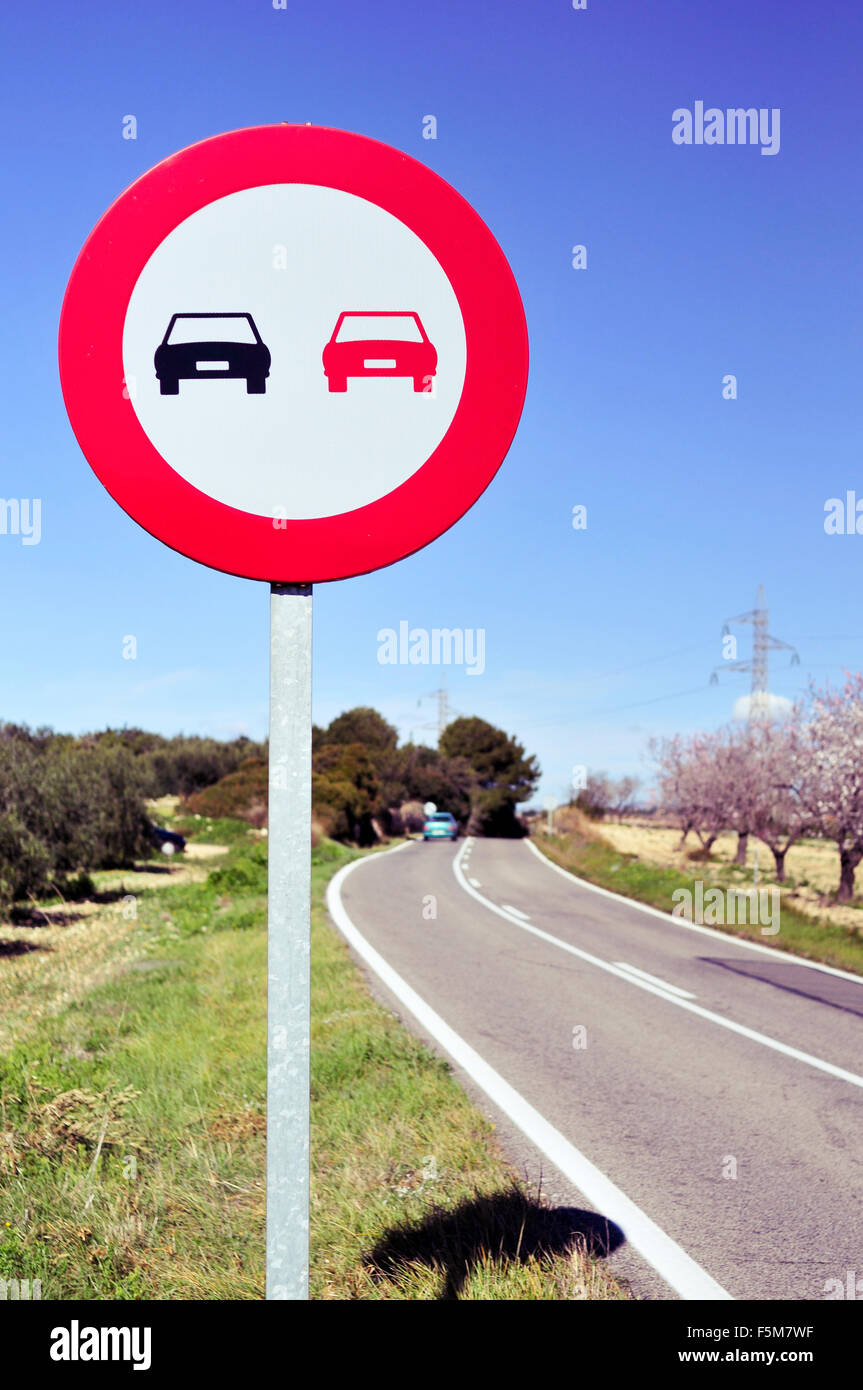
723	1096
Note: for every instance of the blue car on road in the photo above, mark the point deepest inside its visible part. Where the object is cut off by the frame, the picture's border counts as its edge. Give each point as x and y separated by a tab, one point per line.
440	826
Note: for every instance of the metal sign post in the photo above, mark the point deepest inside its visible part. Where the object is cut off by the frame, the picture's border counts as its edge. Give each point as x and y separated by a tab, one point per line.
288	926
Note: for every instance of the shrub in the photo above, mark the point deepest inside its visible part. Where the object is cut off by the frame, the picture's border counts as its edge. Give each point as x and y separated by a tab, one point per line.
241	795
79	888
412	816
65	806
245	875
25	862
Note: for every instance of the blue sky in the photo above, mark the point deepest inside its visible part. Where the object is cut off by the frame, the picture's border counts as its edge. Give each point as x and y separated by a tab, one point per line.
702	261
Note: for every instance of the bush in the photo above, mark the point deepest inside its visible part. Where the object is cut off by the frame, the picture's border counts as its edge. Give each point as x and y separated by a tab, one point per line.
245	875
67	806
25	862
344	791
79	888
329	852
242	795
182	765
412	816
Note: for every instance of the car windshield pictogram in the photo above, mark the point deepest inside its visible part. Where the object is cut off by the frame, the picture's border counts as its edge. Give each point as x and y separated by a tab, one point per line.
212	346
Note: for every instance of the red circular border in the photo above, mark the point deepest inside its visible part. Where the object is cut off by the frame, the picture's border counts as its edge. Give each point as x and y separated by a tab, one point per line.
211	532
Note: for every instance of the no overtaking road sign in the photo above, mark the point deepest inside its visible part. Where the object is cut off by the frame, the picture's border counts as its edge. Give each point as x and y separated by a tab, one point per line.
293	354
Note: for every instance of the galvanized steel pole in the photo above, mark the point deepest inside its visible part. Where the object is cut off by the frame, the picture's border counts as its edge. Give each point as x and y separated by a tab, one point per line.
288	927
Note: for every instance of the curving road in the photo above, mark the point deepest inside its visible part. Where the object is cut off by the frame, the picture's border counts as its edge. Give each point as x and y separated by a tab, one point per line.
705	1095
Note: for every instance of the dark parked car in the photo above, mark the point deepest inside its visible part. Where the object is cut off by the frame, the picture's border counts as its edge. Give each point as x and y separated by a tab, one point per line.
212	347
168	841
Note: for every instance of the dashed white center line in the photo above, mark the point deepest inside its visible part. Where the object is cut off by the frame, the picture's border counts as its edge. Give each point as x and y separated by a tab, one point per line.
654	980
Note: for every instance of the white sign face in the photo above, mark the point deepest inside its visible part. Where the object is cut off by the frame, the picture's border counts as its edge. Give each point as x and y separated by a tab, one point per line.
429	808
550	803
293	350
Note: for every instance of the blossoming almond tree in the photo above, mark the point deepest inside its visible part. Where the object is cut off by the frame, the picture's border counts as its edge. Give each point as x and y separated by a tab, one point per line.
826	766
735	779
693	783
739	782
777	815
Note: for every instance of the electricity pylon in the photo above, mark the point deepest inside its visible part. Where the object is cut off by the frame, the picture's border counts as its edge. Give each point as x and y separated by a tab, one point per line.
445	712
762	644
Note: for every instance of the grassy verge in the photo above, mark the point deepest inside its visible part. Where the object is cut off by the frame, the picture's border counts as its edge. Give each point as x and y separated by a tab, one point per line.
206	830
582	850
132	1115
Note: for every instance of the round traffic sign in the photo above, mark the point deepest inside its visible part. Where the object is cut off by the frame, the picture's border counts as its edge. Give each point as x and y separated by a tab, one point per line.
293	353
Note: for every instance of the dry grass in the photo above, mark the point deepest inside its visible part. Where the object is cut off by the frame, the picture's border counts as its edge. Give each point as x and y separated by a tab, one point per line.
645	862
77	947
812	867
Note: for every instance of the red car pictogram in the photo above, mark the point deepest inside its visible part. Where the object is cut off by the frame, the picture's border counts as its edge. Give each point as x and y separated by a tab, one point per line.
386	342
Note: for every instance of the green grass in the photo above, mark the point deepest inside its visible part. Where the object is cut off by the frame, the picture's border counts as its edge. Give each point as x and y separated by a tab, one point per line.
594	859
211	830
132	1120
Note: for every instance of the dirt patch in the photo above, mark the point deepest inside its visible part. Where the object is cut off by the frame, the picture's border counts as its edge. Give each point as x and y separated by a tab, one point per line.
234	1128
82	1119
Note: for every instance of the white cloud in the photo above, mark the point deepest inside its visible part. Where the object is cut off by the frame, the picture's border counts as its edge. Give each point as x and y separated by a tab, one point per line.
762	704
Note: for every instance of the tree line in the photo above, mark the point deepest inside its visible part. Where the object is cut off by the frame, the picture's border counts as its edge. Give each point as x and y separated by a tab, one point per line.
72	804
364	784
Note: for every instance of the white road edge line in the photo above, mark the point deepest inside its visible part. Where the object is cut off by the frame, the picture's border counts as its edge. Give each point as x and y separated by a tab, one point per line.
669	1260
724	936
654	980
839	1072
515	911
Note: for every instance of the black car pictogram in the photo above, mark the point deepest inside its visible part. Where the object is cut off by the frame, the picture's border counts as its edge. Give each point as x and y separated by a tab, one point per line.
212	347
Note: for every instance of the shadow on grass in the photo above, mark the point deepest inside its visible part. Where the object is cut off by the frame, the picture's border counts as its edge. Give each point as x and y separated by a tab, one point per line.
505	1226
43	917
20	948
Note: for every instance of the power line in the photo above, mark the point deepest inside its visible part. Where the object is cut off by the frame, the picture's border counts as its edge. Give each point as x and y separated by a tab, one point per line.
647	661
612	709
